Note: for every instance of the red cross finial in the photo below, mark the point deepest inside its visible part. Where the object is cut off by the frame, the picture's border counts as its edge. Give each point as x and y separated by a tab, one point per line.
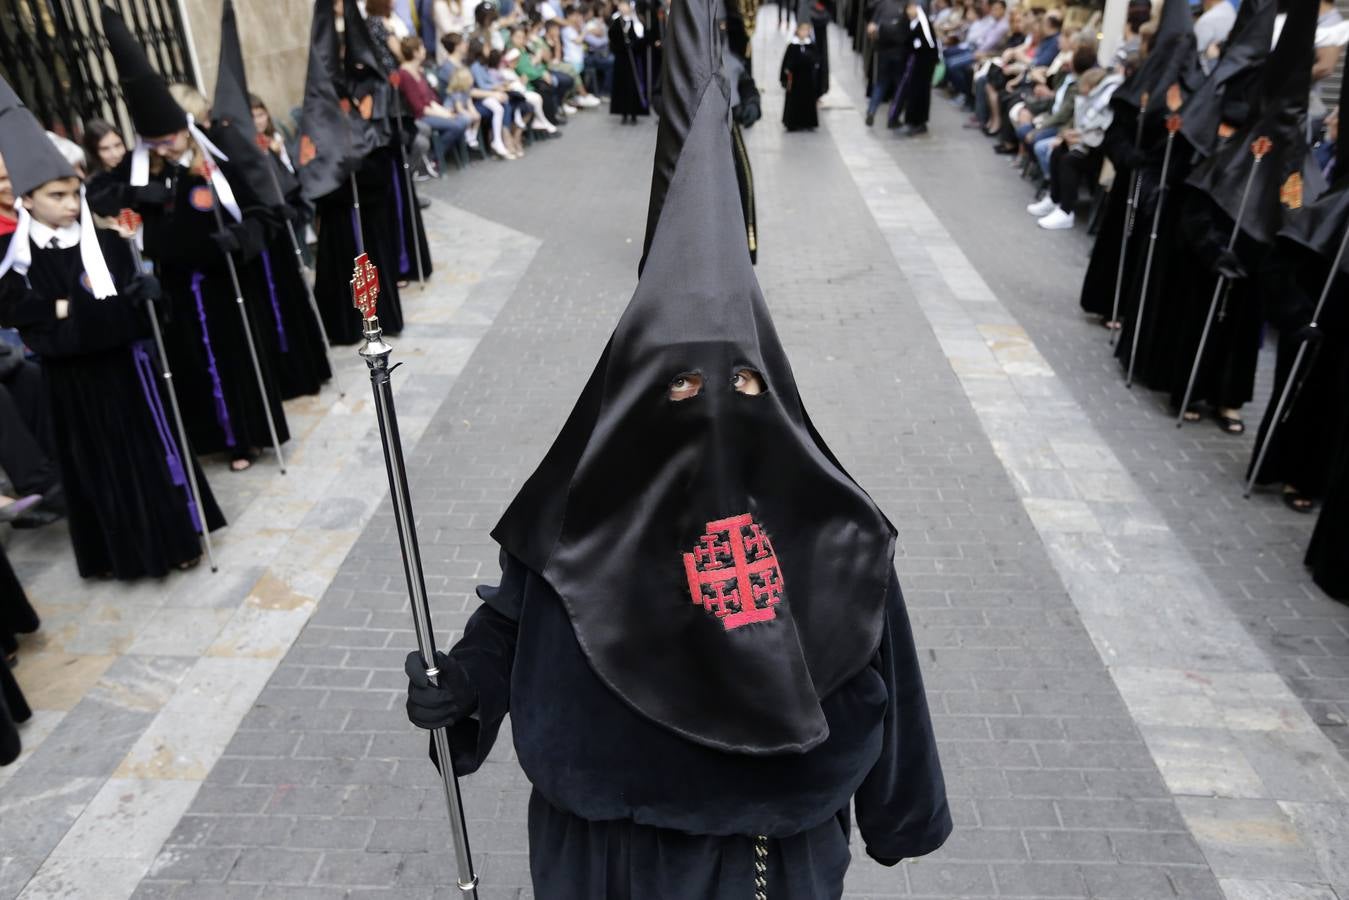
1261	146
129	219
365	286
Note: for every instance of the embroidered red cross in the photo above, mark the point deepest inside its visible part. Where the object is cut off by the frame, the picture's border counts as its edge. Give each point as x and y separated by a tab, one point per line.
129	219
746	590
365	286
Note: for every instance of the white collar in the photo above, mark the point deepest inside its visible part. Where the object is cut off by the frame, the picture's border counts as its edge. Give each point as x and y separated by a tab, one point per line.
66	237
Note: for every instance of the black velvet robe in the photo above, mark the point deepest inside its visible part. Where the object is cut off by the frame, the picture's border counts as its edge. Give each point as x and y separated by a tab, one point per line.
337	249
1315	426
624	808
405	218
629	95
800	77
222	405
1326	556
127	503
301	356
16	613
13	712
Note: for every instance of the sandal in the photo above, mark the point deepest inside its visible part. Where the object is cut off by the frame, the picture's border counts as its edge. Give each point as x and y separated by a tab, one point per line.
1111	324
1230	424
242	464
1296	500
1192	415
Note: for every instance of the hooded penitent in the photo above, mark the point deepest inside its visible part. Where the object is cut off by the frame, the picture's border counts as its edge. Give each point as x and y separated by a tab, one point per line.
367	81
1173	59
32	161
1246	50
232	115
334	135
1320	225
154	112
1278	185
721	571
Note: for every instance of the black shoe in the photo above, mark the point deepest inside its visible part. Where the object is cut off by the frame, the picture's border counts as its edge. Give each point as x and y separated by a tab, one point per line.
36	517
423	202
871	119
914	130
892	124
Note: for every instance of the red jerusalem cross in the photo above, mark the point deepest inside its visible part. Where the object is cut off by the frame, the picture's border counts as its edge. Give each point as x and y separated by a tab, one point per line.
129	219
365	286
733	572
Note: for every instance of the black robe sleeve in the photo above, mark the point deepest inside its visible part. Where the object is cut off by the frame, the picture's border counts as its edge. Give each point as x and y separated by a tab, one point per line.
901	806
487	653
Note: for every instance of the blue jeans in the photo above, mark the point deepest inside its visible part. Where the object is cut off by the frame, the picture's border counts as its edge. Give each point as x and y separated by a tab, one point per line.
1042	148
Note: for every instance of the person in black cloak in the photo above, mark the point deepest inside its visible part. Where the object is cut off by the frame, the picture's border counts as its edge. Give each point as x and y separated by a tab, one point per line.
1226	375
690	696
76	296
14	712
888	30
1314	426
17	616
1169	73
300	355
1326	558
173	179
800	77
818	13
340	147
913	97
628	38
743	92
1224	102
368	81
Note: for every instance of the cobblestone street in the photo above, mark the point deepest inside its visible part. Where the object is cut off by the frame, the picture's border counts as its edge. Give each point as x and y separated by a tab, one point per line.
1138	692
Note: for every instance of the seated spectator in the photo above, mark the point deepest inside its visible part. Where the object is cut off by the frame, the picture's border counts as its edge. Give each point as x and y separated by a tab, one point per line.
984	39
490	84
599	55
531	64
421	101
535	120
567	58
1076	151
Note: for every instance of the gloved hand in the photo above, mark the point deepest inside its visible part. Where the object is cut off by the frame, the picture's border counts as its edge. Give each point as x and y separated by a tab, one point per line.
226	240
156	193
442	704
1229	266
1312	334
140	289
289	213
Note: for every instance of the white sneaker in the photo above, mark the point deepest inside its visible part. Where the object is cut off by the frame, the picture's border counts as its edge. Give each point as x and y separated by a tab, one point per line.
569	109
1042	207
1057	220
587	101
500	149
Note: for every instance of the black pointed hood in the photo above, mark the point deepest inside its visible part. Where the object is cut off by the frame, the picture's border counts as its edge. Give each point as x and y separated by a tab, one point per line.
721	570
232	116
154	112
333	136
31	158
367	79
1278	184
1246	50
1173	59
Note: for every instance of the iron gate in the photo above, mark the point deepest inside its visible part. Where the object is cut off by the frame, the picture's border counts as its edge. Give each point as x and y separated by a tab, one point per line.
55	56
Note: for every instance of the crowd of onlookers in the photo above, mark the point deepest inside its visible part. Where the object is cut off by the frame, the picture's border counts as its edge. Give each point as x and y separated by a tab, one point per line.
484	77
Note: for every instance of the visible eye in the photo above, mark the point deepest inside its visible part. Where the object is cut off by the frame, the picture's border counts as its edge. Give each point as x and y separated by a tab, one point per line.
682	387
747	381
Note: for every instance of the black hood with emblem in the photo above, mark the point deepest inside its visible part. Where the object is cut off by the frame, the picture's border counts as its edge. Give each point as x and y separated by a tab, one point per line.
722	572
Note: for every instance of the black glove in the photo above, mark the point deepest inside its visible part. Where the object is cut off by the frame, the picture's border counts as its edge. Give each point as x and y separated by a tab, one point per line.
442	704
156	193
289	213
141	289
226	240
1312	334
1227	265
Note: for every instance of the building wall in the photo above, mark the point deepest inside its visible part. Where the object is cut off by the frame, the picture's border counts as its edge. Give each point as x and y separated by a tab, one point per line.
275	39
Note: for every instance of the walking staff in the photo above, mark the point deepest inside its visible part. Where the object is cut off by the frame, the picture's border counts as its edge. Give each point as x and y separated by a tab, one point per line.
1130	212
299	263
131	222
365	296
356	227
411	194
1173	123
1259	147
243	317
1288	391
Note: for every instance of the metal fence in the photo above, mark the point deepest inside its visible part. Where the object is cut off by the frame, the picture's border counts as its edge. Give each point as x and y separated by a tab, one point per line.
55	56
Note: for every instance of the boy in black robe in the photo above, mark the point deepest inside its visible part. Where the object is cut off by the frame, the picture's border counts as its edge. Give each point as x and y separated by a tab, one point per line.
698	632
628	40
77	298
913	99
174	180
800	77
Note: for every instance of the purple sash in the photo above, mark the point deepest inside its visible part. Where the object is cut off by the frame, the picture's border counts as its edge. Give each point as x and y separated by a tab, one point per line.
404	265
145	371
222	412
276	305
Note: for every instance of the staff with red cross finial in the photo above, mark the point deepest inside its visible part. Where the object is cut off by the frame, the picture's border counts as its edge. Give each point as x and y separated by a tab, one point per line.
365	296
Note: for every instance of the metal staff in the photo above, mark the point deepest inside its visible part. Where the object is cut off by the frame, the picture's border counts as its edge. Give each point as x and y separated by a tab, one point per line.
365	294
1173	121
1130	213
128	219
1259	148
248	329
299	258
1287	391
411	201
356	226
